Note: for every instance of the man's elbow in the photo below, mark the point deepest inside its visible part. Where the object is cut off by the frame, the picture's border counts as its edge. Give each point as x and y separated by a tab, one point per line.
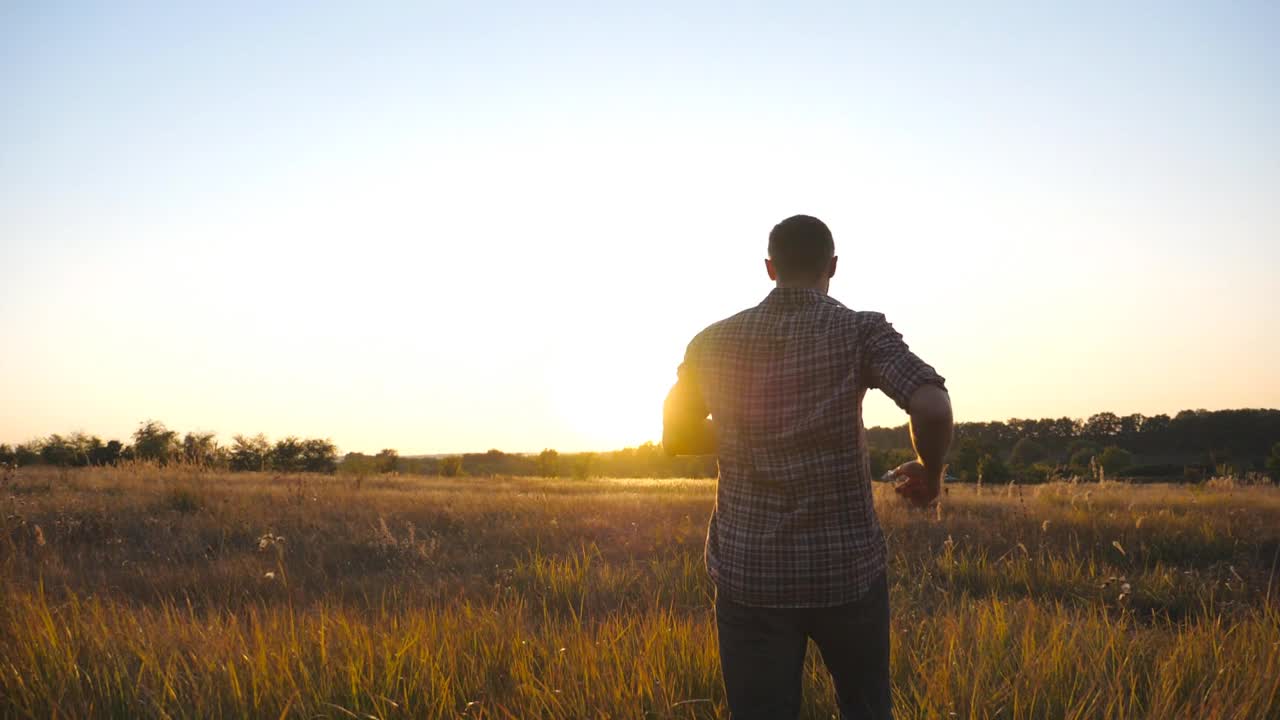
930	404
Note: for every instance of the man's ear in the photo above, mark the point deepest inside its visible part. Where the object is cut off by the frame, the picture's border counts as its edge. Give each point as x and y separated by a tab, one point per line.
831	269
768	266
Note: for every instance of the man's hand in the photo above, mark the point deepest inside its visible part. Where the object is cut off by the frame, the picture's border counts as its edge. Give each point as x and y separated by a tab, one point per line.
920	486
930	410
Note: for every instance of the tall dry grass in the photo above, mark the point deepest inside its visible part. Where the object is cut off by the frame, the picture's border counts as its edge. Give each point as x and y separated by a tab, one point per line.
145	592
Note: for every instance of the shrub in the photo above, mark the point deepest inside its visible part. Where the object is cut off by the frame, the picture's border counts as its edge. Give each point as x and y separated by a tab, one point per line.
387	460
200	448
549	463
1082	460
153	441
27	454
286	456
250	453
1026	452
992	470
1038	473
1114	459
319	456
451	466
582	465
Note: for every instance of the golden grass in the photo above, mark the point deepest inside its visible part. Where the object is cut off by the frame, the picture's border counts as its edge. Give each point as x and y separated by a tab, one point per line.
144	592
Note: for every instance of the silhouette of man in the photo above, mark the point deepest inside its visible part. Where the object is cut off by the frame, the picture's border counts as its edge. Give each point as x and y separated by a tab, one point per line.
794	546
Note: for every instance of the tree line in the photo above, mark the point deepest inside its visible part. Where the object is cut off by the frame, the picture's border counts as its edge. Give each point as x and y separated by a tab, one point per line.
645	461
1192	445
153	442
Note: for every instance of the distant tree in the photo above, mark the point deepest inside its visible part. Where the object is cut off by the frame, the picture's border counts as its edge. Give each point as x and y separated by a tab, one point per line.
492	462
74	450
320	456
583	464
199	448
451	466
286	456
153	441
1273	464
1114	459
992	470
27	453
356	463
87	448
885	438
1156	423
548	464
1079	444
648	460
970	457
1062	430
250	453
1103	426
7	455
387	460
1081	460
882	461
1037	473
1026	452
57	450
108	454
84	447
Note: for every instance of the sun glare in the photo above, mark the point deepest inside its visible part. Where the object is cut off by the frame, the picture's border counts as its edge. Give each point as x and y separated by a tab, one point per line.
612	398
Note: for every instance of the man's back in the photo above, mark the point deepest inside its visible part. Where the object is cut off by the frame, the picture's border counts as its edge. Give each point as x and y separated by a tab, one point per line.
794	524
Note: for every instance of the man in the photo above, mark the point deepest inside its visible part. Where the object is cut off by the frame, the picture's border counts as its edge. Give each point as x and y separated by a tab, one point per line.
794	546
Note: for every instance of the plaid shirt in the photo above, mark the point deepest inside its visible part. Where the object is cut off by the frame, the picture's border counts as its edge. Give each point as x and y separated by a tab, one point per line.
794	523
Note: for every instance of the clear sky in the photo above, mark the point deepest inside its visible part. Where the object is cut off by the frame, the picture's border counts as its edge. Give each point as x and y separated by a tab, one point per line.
453	227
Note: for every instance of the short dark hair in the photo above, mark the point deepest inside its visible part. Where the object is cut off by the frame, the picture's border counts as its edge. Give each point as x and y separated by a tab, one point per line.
801	247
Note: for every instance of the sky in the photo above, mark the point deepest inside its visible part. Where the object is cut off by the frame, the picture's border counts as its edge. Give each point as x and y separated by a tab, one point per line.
454	227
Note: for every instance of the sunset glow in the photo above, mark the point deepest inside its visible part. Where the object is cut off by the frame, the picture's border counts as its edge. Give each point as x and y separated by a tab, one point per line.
413	229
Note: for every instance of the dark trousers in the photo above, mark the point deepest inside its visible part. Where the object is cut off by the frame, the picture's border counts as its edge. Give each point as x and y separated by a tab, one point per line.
762	656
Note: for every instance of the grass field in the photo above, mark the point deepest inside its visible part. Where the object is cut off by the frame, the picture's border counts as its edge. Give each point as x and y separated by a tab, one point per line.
143	592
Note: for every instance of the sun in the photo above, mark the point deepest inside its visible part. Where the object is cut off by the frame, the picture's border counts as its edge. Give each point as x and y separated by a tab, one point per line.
611	398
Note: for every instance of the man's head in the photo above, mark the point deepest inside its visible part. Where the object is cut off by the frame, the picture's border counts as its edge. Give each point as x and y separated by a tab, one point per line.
801	253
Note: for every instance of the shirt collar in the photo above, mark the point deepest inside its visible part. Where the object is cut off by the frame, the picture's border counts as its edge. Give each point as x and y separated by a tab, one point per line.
795	297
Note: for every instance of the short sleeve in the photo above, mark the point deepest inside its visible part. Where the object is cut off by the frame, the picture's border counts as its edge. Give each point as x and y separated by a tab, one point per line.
890	365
